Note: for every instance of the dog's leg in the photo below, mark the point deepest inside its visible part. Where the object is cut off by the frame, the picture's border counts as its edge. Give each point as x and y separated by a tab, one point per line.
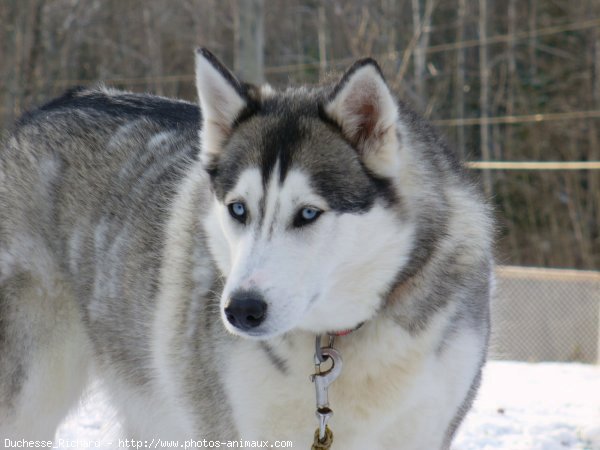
43	355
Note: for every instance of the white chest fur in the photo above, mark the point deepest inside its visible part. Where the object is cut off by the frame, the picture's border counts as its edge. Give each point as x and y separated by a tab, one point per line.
394	390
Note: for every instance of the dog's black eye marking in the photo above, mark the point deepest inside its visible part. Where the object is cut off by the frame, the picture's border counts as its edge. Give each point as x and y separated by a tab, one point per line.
238	211
306	216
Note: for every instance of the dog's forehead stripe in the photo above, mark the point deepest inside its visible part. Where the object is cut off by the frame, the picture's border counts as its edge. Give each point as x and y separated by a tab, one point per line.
271	202
281	140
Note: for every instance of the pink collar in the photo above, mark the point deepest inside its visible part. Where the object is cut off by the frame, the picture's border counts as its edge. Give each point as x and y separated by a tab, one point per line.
345	332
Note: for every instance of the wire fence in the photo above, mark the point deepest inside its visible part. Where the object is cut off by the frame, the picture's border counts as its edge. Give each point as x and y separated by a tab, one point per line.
546	315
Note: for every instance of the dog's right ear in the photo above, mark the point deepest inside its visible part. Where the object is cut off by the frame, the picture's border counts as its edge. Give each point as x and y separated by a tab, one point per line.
222	100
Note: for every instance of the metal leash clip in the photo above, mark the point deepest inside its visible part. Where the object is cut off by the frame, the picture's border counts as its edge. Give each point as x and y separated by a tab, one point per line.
322	381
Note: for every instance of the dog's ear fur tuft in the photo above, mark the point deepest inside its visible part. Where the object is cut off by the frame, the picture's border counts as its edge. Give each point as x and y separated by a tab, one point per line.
364	108
222	99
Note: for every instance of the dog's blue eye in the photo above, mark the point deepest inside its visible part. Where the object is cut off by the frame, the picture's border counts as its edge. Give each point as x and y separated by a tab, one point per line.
306	215
238	211
309	213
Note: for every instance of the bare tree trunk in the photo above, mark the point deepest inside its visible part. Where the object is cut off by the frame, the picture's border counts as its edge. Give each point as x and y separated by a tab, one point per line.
593	176
580	257
389	8
459	83
512	69
418	64
7	69
508	139
422	26
154	50
35	47
249	40
532	39
484	95
298	24
17	90
322	36
211	7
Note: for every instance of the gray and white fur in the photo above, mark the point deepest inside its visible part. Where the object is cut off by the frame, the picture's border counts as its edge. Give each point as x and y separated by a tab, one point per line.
189	255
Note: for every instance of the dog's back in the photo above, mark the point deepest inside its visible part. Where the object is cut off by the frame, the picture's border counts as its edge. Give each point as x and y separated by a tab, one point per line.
85	182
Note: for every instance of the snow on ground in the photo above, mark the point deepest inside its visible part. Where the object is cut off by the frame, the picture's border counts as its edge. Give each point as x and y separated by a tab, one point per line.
542	406
521	406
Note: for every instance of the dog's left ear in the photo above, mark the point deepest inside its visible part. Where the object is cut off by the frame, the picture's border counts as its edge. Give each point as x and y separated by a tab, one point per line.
223	98
364	108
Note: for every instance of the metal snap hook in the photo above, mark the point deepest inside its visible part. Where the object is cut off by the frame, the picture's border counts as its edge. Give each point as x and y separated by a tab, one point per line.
322	381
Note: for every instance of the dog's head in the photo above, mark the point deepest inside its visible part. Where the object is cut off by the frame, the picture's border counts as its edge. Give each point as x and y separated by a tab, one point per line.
305	225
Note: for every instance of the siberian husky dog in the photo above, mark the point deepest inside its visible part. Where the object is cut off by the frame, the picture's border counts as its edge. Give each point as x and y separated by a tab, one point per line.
189	256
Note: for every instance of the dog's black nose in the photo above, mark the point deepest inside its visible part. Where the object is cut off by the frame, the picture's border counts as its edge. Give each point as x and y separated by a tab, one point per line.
245	310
